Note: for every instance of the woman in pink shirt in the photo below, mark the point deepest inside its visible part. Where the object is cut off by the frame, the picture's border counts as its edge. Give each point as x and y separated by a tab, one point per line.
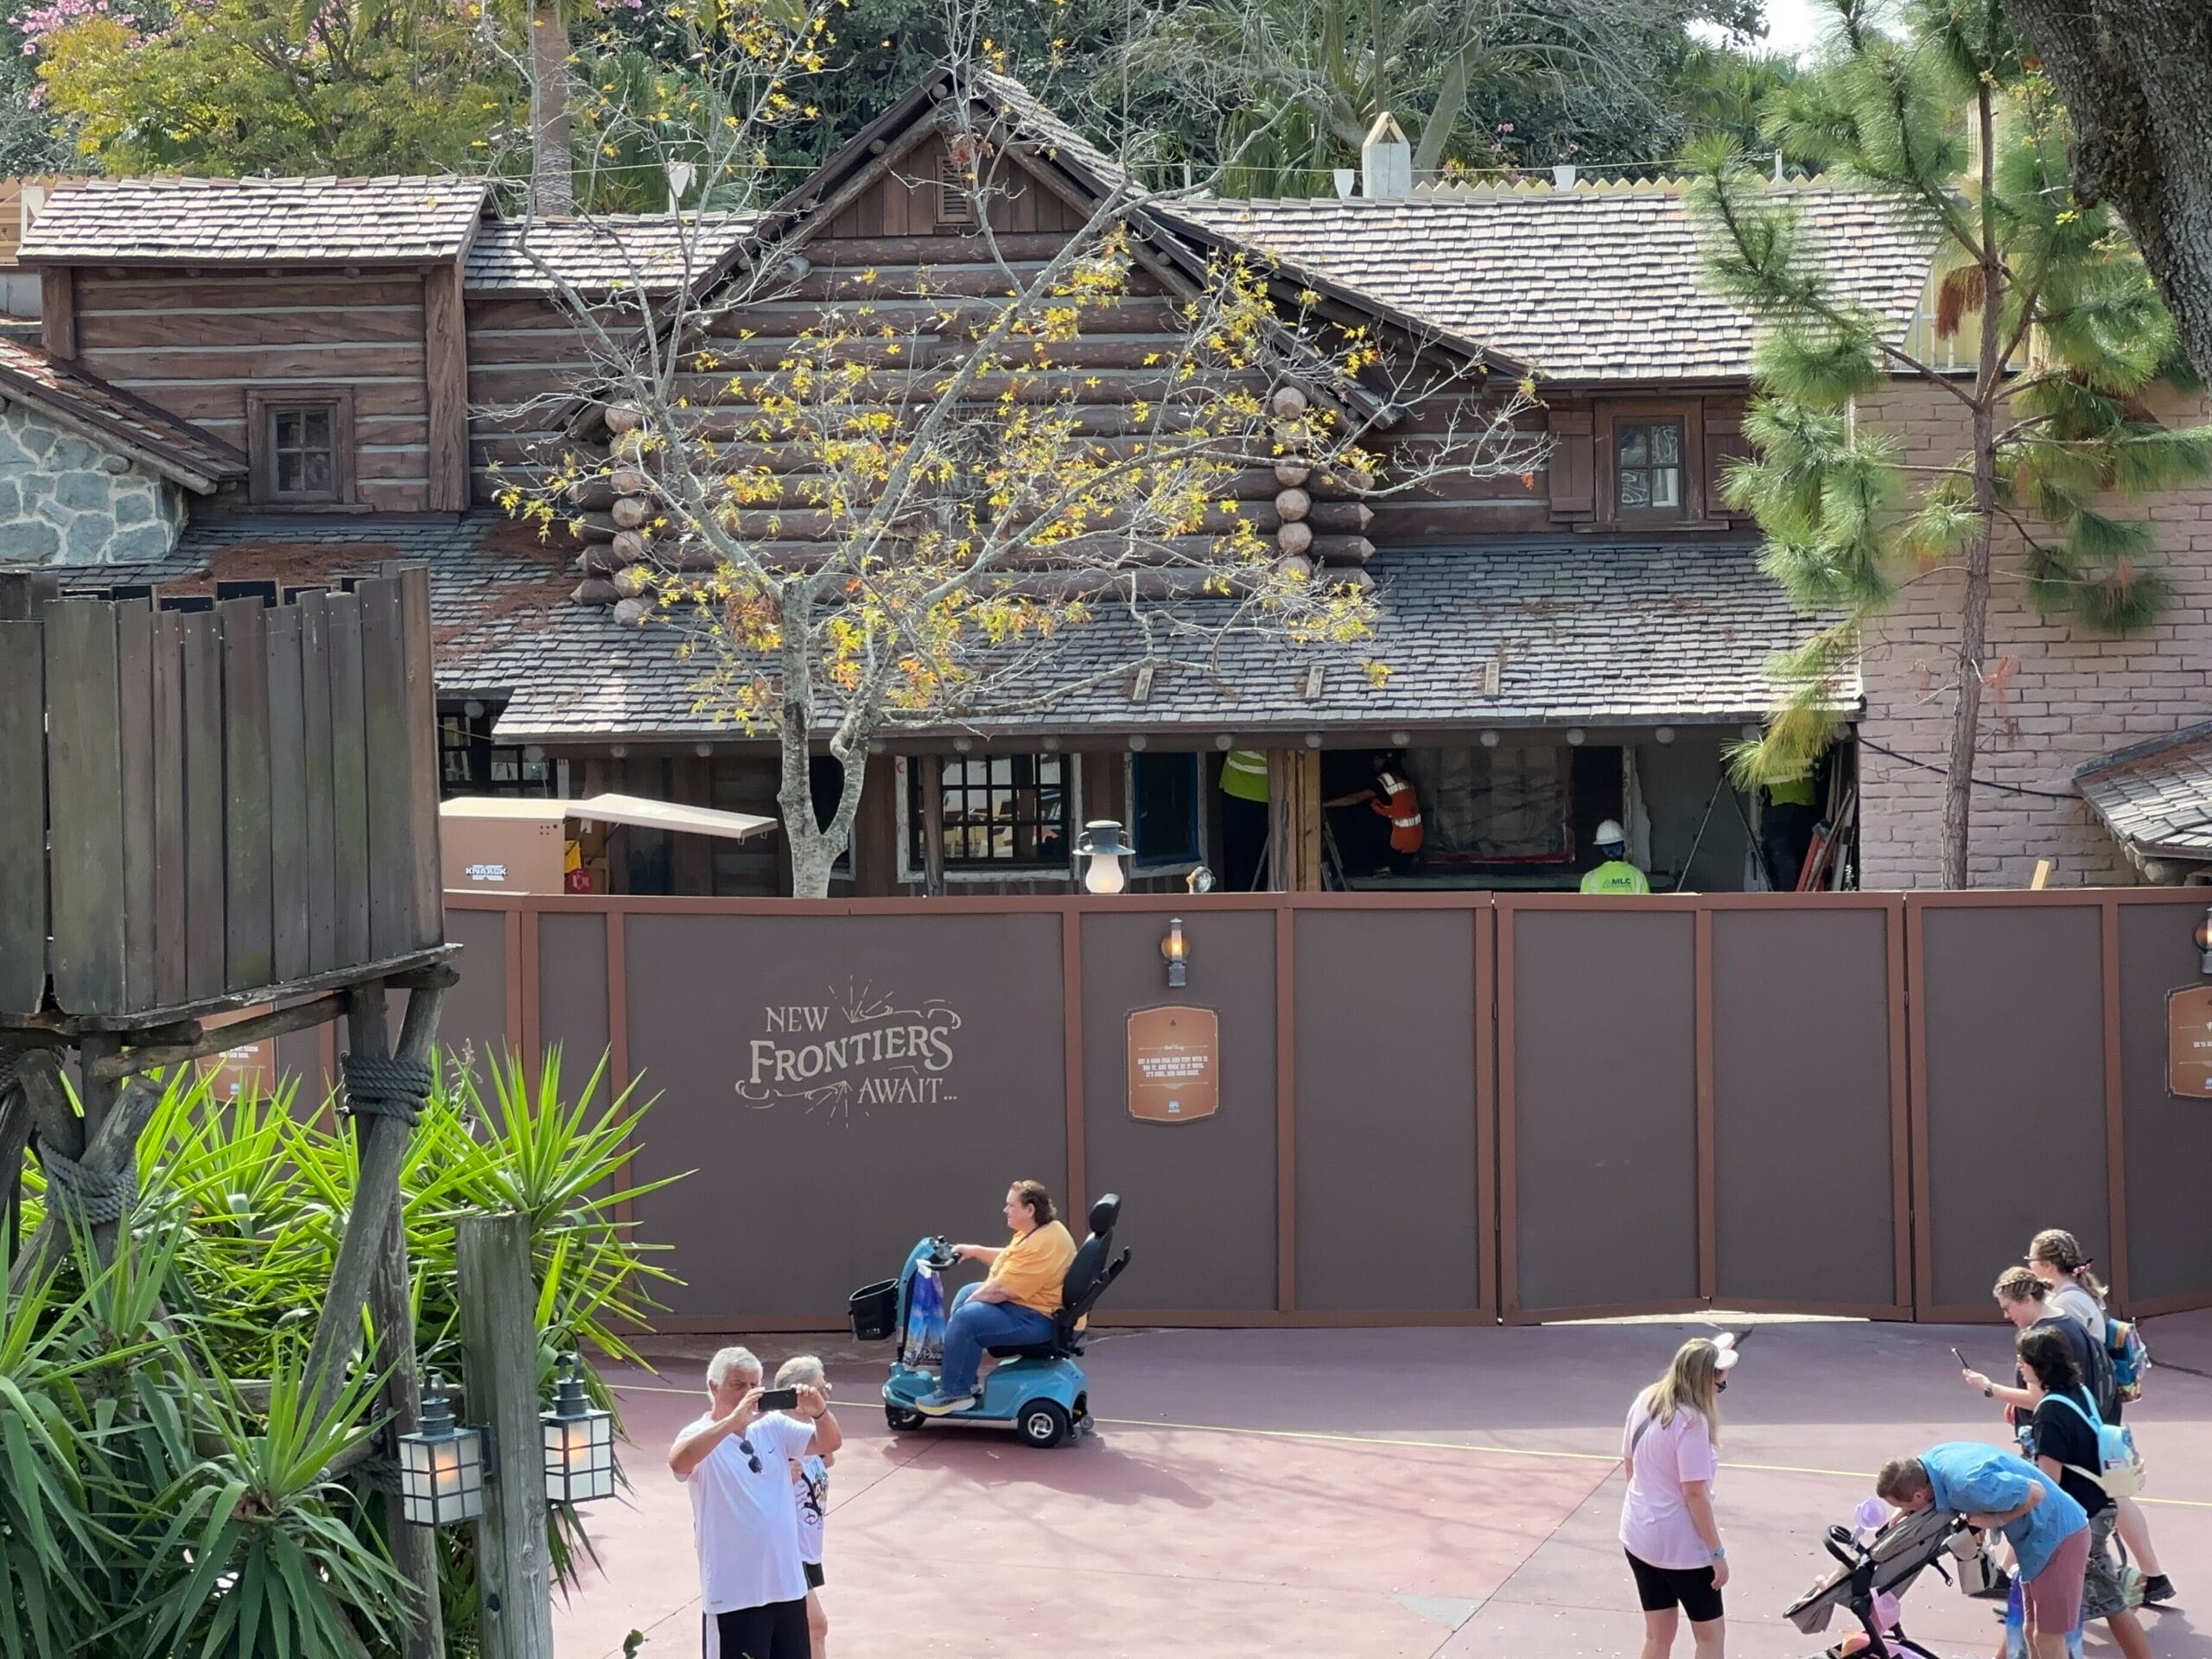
1671	1448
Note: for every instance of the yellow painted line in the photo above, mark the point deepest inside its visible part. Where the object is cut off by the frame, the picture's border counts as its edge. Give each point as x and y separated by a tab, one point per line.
1452	1445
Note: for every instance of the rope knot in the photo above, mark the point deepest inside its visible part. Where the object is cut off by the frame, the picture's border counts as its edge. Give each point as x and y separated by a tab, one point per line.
388	1087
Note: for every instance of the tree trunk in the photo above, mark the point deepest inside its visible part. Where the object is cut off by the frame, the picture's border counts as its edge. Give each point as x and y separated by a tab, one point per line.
552	185
1974	608
2136	76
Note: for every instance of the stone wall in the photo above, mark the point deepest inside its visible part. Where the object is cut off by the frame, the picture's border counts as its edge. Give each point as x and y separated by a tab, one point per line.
66	501
2059	694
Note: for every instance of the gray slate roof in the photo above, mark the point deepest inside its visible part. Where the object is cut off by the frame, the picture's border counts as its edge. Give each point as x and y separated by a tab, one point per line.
1583	632
1585	285
390	221
2156	797
1587	632
658	253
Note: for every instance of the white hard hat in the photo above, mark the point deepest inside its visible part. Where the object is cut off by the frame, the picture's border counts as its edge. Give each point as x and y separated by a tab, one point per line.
1610	834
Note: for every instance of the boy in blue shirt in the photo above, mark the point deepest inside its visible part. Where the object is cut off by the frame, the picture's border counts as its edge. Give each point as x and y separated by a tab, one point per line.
1996	1492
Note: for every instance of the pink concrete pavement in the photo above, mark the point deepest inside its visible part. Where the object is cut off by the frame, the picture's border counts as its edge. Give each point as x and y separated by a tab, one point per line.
1399	1494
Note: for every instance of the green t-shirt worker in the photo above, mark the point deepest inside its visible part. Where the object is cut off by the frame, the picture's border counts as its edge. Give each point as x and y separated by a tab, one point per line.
1616	874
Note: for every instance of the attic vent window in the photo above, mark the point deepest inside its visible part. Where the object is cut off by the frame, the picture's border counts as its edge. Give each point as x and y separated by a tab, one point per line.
955	206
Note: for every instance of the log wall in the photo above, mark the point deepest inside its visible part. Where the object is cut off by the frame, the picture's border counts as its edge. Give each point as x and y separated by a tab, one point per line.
193	345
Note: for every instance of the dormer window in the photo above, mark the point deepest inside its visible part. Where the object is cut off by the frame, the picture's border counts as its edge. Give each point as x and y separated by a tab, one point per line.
300	440
1648	456
1651	456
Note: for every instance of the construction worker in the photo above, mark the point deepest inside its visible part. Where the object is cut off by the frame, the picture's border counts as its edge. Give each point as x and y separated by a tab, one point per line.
1788	816
1391	797
1244	817
1616	873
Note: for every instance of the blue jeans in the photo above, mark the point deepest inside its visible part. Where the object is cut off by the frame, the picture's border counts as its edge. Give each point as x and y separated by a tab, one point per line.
973	1327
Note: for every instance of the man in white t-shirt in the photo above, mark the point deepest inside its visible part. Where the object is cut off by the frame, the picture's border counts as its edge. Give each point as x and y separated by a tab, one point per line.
735	1462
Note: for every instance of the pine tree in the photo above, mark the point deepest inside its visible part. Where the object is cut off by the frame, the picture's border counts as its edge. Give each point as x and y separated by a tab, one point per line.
2054	331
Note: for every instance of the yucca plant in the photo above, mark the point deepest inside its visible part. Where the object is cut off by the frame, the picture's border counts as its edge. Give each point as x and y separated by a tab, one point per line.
166	1489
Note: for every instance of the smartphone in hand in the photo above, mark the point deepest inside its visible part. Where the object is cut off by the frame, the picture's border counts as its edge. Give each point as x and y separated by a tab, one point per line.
779	1400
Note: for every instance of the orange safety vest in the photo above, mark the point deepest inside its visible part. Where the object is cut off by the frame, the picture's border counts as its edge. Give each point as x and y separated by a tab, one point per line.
1402	806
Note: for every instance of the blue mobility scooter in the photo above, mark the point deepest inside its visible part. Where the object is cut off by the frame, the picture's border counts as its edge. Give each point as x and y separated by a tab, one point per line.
1038	1389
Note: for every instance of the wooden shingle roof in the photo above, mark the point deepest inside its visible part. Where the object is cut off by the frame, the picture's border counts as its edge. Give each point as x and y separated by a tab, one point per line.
654	253
116	420
1584	285
272	221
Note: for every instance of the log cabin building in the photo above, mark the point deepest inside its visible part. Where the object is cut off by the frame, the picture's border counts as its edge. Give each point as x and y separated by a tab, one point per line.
288	383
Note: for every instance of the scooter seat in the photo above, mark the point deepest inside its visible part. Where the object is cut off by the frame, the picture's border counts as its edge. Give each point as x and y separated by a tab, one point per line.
1051	1349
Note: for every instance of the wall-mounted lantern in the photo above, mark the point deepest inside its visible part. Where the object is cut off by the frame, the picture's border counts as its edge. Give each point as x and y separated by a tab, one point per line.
442	1465
2204	942
1177	953
1101	842
579	1443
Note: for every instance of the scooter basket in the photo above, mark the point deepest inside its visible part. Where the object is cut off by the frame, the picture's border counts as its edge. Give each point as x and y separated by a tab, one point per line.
874	1311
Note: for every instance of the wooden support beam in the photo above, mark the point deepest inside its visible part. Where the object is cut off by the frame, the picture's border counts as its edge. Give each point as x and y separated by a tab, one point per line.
498	1345
58	310
371	1272
145	1056
445	371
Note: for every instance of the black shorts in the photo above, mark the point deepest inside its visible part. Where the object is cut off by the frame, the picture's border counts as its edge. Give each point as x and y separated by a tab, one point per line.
775	1632
1663	1588
813	1575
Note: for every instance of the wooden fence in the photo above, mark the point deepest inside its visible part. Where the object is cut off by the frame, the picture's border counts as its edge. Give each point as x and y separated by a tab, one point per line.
187	816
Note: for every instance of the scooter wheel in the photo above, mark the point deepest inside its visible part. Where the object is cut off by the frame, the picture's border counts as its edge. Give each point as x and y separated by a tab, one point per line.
1044	1424
902	1419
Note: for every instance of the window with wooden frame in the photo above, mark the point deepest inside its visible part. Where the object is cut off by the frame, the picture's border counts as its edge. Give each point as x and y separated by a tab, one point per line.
300	445
1001	811
1652	458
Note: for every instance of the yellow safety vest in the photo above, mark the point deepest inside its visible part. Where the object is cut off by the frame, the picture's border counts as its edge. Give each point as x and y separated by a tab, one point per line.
1616	876
1792	791
1245	774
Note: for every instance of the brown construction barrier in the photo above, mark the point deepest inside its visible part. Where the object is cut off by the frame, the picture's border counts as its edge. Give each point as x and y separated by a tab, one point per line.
1422	1108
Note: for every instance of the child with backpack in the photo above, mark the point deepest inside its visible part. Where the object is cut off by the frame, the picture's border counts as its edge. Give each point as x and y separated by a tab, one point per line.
2056	1257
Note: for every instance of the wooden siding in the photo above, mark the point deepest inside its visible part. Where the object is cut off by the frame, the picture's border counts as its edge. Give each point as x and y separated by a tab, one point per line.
193	345
910	200
526	360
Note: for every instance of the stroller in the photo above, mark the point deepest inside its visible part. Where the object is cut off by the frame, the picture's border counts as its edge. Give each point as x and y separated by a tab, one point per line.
1878	1562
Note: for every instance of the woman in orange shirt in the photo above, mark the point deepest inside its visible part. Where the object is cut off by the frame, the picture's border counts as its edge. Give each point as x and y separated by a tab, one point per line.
1015	1302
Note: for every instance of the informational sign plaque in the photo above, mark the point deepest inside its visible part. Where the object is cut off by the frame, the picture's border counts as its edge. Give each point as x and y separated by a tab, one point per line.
2189	1042
1174	1065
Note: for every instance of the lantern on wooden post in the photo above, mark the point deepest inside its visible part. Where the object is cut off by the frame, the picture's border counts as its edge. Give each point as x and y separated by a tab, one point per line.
441	1464
1101	843
579	1444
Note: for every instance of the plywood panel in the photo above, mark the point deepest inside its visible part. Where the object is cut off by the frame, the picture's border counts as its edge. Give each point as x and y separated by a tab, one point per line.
711	999
572	996
2168	1142
1604	1107
1789	985
2012	1006
1387	1208
1202	1196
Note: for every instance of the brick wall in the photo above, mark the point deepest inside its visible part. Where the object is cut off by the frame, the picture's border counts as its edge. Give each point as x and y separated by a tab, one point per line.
2062	694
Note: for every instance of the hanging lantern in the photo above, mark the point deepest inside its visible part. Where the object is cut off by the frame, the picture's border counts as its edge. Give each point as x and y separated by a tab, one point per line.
441	1464
579	1444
